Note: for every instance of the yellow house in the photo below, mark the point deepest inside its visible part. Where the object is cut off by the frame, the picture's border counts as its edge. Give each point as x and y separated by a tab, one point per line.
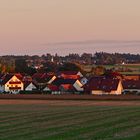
117	90
102	85
12	84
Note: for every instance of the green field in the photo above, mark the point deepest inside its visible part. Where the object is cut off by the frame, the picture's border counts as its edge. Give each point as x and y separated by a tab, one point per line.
42	122
135	69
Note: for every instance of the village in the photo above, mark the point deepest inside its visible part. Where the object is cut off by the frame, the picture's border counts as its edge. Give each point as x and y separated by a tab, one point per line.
69	82
98	74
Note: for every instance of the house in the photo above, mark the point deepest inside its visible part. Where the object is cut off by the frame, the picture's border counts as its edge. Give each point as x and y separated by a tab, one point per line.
19	76
29	86
68	85
131	86
27	78
40	78
67	88
53	89
101	85
11	83
70	74
78	86
83	80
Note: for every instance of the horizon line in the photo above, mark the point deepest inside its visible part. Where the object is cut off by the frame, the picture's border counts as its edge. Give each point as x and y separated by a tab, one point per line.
66	54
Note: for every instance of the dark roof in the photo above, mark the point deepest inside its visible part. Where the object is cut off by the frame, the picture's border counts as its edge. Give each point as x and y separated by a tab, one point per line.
131	74
102	83
26	84
40	80
38	75
6	78
60	81
53	87
41	77
1	75
19	76
27	78
68	72
131	84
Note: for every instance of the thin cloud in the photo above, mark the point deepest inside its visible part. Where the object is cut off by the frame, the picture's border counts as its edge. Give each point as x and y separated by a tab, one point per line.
92	46
93	42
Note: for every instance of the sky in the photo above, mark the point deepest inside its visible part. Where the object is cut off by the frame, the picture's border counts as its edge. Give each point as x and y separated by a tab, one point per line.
69	26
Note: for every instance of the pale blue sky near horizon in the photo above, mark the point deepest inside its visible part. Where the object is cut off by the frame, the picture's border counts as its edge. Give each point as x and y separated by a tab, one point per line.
69	26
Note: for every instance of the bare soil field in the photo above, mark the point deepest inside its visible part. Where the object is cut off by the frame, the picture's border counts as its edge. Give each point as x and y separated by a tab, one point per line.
68	102
71	97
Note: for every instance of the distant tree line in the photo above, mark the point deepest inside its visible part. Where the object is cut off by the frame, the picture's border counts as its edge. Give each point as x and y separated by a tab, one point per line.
103	58
53	63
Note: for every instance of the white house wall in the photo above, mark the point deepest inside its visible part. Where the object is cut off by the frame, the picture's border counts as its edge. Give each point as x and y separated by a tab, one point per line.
1	88
46	89
78	86
97	92
80	74
30	87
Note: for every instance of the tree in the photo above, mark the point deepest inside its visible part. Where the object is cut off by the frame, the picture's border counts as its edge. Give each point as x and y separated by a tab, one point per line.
99	70
69	67
21	67
50	67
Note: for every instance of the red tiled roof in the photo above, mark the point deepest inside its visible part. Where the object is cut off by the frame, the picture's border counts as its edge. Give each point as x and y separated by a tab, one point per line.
131	84
70	76
69	72
53	87
67	86
19	76
102	83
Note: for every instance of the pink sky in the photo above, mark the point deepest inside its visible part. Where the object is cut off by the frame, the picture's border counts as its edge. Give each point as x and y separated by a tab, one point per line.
41	26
